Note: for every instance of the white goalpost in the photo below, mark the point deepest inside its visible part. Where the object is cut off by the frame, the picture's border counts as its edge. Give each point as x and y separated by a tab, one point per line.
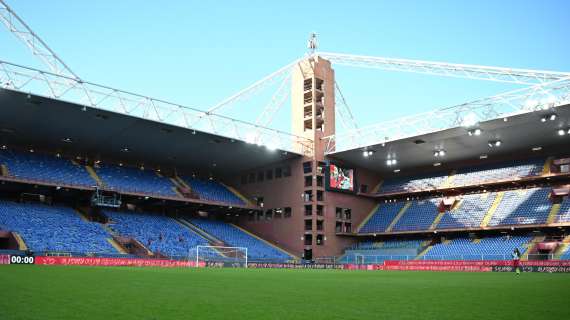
226	256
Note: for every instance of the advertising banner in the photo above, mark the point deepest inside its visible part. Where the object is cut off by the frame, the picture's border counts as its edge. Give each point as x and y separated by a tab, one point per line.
112	262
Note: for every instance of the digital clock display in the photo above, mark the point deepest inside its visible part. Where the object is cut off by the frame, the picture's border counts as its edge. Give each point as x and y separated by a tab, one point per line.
22	260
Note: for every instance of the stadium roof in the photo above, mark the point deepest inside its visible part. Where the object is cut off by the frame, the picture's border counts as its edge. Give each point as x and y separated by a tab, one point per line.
518	136
45	123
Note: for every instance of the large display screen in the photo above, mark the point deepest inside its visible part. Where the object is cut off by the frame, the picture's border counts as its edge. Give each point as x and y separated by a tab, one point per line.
340	179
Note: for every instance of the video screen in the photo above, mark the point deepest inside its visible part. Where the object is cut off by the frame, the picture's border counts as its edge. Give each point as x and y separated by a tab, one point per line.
341	179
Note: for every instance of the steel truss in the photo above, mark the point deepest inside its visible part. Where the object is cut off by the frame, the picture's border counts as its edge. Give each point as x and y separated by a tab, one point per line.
86	94
538	97
39	48
497	74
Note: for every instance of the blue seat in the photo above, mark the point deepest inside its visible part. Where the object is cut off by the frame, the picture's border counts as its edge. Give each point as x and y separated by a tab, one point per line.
54	228
212	191
160	234
232	236
128	179
46	168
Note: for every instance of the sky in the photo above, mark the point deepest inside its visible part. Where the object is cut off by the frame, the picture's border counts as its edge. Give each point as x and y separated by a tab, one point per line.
197	53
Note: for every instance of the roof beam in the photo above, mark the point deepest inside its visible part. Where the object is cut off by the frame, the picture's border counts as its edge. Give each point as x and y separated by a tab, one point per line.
476	72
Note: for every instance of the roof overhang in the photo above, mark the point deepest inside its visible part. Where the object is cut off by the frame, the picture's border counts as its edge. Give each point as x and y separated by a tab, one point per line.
522	134
31	121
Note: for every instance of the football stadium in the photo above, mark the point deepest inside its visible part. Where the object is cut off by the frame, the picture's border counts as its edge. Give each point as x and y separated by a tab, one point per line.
118	205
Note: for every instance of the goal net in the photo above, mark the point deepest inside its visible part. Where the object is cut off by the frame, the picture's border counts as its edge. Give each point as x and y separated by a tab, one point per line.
220	256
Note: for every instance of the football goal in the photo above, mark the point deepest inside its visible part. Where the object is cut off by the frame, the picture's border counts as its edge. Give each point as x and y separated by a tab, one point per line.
220	255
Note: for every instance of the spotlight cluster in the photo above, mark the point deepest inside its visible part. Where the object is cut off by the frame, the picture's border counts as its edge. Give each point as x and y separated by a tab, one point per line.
367	153
474	132
548	117
494	143
439	153
391	162
563	132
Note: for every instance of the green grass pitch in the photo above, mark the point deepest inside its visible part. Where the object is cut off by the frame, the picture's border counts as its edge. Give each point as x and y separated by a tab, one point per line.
50	292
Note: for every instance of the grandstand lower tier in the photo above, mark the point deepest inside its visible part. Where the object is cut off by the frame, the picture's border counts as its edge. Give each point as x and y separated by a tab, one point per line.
533	246
61	230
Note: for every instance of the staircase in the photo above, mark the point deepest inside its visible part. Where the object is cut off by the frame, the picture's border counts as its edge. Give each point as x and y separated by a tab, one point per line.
239	195
546	168
553	213
266	242
448	183
437	220
94	175
183	189
492	209
531	246
423	253
398	216
372	212
562	248
377	187
117	246
21	244
211	239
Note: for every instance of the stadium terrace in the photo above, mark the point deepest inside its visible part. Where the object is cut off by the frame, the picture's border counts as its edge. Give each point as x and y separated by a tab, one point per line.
458	192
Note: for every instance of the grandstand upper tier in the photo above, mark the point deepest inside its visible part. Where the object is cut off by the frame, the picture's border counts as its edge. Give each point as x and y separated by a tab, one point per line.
56	170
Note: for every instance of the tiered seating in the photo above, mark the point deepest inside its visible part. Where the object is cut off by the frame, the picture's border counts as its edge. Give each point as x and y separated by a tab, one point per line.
494	248
423	182
470	212
501	171
382	218
40	167
419	216
232	236
160	234
466	176
212	191
377	252
53	228
135	180
530	206
565	255
564	213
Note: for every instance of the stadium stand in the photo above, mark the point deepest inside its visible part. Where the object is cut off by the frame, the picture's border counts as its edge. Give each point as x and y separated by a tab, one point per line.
500	171
377	252
490	248
465	176
469	213
232	236
160	234
530	206
47	168
54	228
564	213
382	217
413	183
419	216
516	207
212	191
128	179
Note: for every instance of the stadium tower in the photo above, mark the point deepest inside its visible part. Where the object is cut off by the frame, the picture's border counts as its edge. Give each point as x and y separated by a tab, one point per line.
316	215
